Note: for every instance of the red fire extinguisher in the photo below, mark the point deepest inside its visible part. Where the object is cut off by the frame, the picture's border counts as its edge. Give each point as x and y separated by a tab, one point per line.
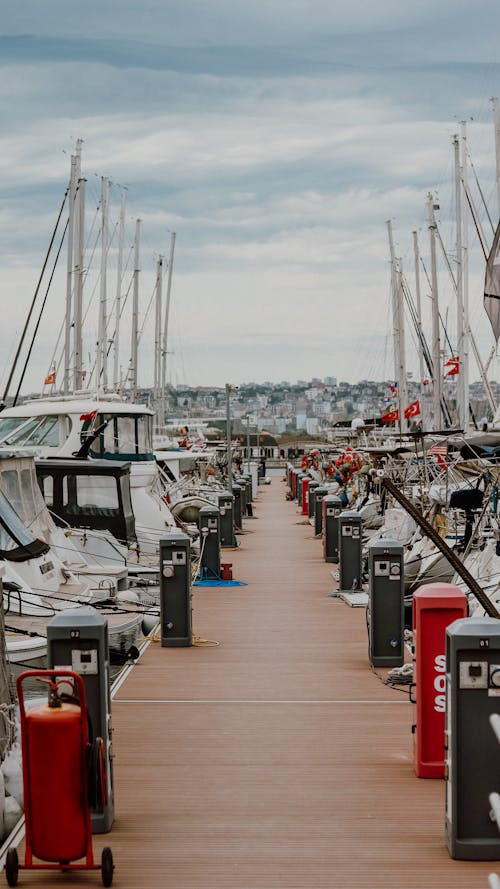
55	751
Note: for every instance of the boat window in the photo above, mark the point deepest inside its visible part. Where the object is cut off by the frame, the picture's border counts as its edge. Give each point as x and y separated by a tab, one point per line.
16	542
93	491
11	489
37	431
126	498
145	434
125	437
31	502
47	483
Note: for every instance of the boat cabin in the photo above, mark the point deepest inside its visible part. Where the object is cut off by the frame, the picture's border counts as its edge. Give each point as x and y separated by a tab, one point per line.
70	427
91	494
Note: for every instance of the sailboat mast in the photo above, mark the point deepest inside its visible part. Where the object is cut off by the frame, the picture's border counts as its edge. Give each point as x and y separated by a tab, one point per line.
165	328
119	275
69	274
464	369
158	313
135	312
436	343
102	362
461	395
79	276
398	330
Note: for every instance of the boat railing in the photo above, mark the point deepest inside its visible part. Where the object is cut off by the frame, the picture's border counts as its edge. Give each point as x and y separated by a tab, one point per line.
494	800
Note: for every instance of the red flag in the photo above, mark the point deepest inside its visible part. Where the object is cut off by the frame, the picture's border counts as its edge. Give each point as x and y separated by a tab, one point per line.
412	410
88	417
453	364
390	417
50	379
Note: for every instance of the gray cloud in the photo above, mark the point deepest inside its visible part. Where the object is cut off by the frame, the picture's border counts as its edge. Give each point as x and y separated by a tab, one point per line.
275	145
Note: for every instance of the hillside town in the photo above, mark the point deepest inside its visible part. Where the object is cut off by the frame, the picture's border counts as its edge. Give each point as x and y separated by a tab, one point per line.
310	407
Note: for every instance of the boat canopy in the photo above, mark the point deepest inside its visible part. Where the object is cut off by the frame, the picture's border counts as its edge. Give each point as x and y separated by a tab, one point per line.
17	543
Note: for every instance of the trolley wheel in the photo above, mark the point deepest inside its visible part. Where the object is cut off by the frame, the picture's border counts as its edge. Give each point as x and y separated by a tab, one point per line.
12	867
107	866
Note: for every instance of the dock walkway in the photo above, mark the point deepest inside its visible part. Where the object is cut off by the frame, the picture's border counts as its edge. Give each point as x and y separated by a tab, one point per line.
276	759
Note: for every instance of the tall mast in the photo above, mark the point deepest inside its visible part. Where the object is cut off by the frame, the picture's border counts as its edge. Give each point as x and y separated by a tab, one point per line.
135	312
165	329
461	396
436	344
464	368
102	362
69	274
119	274
79	276
398	329
420	333
158	314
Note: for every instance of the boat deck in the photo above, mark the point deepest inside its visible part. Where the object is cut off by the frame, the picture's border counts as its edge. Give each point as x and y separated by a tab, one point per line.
276	759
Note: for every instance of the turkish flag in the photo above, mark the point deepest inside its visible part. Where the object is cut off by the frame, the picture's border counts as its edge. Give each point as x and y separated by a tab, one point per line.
390	417
412	410
50	379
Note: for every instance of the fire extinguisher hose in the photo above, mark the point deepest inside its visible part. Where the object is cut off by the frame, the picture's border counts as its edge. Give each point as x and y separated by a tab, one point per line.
96	774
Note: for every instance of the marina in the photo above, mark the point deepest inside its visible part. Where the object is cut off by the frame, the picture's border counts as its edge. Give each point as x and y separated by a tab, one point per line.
277	757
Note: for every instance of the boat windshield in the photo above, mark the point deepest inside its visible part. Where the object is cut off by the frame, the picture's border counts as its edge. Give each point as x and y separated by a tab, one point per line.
16	542
9	424
30	431
125	437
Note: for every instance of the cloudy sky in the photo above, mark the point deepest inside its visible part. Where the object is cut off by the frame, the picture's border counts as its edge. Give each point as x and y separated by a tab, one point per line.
276	138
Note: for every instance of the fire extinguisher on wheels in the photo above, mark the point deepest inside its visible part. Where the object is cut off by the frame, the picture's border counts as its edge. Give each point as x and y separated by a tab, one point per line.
61	770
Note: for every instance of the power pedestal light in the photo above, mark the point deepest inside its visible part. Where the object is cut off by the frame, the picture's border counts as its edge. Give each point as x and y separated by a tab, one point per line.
306	481
311	493
319	493
208	523
226	525
472	696
249	483
332	507
175	590
350	547
243	488
237	507
246	483
77	640
298	494
297	472
386	604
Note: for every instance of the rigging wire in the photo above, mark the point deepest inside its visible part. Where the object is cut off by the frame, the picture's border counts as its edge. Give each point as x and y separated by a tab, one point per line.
40	314
35	296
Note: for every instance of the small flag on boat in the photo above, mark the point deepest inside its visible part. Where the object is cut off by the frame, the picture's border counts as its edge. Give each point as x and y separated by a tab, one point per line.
50	379
453	365
390	417
412	410
87	418
393	387
439	451
491	300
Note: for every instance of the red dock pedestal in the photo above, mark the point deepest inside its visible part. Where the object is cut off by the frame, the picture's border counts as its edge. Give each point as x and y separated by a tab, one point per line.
305	494
435	606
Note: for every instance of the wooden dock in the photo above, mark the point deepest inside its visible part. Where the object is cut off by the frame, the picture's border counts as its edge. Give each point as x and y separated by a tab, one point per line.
276	759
